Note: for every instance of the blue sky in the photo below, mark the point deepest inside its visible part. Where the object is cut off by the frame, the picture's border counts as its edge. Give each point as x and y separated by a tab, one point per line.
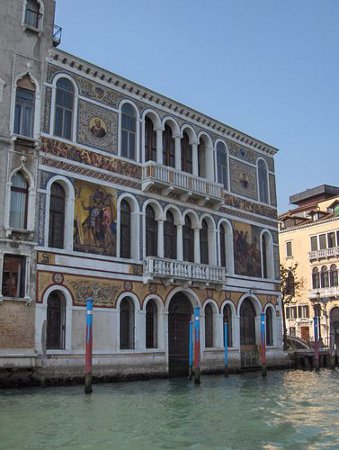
269	68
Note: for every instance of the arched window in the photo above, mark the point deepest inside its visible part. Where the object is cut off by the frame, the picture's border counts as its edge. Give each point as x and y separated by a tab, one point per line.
170	237
247	322
188	240
263	181
202	159
222	164
168	146
204	243
324	277
125	229
151	324
227	315
151	232
264	255
126	324
333	275
269	326
208	326
150	141
128	131
32	14
315	278
24	107
56	216
56	321
19	202
186	154
222	234
64	108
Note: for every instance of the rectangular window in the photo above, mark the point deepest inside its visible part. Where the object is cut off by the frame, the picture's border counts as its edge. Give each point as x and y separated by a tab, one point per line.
289	249
24	112
331	240
13	277
322	241
291	312
314	243
291	331
303	312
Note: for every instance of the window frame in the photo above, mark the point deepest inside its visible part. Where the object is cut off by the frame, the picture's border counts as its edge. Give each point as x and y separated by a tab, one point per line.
25	193
56	212
73	111
128	133
19	276
222	164
263	182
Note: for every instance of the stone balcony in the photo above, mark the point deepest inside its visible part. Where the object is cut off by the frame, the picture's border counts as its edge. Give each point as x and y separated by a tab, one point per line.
324	293
332	252
187	272
172	182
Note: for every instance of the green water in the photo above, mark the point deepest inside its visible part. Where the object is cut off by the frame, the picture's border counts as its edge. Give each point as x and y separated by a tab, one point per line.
292	410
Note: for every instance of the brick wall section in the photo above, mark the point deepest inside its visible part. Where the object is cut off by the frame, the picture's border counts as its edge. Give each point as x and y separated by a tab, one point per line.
16	325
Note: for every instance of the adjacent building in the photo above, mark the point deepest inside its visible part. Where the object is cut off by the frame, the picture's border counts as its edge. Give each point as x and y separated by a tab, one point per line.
309	236
114	191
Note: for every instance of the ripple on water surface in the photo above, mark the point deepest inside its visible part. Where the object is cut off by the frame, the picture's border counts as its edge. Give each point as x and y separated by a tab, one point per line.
292	410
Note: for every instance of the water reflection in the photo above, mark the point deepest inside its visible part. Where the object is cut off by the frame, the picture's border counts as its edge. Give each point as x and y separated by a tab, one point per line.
291	409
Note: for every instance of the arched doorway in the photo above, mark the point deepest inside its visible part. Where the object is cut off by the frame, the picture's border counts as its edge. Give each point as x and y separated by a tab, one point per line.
248	347
56	321
334	331
179	315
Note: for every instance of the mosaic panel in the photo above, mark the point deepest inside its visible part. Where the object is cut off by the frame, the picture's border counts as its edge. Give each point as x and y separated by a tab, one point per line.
41	219
243	179
44	178
249	155
47	110
97	127
246	243
247	206
276	262
273	193
87	157
90	173
95	212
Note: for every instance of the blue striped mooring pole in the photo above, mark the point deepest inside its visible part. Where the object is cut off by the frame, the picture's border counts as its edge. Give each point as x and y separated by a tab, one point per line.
190	350
89	345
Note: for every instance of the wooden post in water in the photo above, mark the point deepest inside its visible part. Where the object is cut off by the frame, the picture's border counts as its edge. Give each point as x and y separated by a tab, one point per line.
316	344
226	349
197	345
89	345
263	345
190	350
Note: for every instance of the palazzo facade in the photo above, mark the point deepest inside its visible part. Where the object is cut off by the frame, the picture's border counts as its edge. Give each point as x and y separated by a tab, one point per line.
113	191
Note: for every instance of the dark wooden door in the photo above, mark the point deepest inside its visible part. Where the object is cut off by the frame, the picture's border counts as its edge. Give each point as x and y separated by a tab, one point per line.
180	314
305	333
55	322
248	347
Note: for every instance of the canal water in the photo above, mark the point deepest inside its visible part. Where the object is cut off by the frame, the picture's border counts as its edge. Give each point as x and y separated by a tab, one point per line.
291	409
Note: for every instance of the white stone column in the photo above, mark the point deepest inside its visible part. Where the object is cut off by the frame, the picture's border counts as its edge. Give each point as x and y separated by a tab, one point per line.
209	161
28	279
219	330
177	141
236	331
159	145
180	255
195	161
140	330
197	245
161	238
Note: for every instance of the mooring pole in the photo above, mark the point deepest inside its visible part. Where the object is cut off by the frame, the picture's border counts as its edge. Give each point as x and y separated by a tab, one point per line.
226	349
197	345
89	345
263	345
190	350
316	343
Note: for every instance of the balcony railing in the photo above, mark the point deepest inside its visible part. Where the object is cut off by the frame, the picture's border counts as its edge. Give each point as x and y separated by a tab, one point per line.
324	292
155	267
56	35
169	179
325	253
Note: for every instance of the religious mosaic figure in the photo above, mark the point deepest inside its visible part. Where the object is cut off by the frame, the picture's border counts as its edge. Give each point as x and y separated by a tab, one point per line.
246	249
98	127
95	219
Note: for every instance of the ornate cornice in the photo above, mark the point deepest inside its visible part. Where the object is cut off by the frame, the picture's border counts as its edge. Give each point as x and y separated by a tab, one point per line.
109	79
